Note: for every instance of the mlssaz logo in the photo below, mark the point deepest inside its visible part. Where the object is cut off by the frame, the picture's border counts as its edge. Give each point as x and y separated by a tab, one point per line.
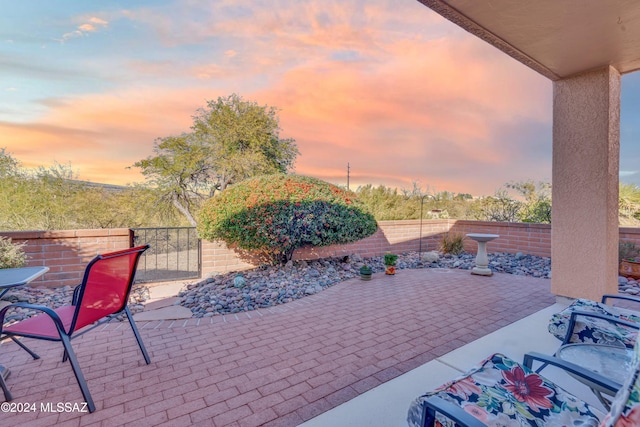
64	407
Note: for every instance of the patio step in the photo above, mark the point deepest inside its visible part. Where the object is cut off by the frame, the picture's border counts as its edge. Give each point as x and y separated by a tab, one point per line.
172	312
163	303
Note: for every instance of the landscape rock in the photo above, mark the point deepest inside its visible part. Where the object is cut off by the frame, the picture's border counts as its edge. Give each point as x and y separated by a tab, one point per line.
268	286
430	257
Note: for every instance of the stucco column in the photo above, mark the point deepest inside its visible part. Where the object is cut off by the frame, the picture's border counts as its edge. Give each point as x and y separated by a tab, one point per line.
586	158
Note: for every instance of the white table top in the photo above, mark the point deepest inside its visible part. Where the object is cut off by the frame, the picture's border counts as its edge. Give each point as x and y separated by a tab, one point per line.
10	277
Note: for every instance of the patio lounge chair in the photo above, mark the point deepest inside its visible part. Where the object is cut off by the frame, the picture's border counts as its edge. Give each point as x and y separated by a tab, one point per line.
595	322
502	392
104	293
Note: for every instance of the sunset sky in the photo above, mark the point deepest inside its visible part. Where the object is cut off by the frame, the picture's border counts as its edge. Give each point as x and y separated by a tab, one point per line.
388	86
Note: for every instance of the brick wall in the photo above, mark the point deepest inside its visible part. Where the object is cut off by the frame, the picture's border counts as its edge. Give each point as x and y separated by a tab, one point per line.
532	239
630	235
397	236
403	236
67	252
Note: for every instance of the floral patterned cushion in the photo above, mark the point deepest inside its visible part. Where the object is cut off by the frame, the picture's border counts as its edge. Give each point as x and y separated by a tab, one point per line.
500	392
625	409
591	330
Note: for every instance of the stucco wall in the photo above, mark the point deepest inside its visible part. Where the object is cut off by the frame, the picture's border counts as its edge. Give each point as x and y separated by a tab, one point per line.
586	154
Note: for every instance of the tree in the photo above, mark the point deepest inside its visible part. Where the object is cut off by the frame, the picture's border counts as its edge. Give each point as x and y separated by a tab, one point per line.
231	140
180	172
500	208
537	201
9	166
386	204
276	214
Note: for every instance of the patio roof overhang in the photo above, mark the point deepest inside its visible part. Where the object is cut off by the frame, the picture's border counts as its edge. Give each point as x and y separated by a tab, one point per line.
557	38
583	46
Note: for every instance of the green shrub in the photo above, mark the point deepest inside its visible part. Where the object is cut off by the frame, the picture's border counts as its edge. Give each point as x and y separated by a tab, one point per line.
390	259
11	254
452	243
275	214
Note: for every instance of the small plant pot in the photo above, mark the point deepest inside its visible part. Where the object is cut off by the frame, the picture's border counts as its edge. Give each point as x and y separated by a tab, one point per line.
390	270
630	269
365	272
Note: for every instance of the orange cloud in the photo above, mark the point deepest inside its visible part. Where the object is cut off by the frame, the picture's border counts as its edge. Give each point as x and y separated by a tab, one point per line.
98	21
391	88
420	110
103	134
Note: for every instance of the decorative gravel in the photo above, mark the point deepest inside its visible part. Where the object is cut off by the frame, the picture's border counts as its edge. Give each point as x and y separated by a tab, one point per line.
268	286
57	297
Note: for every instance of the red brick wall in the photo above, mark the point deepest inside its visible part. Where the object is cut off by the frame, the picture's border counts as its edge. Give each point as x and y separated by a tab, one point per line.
403	236
630	235
532	239
217	257
396	236
67	252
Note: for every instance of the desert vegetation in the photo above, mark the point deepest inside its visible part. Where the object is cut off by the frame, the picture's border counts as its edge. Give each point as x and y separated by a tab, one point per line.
51	198
11	254
232	140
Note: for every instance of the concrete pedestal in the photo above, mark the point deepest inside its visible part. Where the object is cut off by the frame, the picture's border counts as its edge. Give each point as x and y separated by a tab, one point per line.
482	260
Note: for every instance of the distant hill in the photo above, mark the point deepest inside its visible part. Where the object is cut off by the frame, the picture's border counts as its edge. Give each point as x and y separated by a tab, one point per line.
110	187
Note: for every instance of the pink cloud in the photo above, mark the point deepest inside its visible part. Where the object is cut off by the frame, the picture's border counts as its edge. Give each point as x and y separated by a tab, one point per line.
430	103
87	25
392	89
103	134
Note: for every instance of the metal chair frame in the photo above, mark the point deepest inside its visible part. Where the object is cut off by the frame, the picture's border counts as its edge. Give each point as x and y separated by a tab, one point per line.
65	336
454	412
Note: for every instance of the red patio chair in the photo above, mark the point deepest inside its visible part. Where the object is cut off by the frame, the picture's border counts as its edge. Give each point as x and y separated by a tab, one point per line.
104	293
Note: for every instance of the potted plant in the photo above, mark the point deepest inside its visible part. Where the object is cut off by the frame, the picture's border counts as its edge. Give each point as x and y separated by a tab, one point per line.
365	272
628	256
390	261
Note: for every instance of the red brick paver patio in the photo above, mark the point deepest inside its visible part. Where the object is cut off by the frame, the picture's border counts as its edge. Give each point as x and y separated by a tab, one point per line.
272	367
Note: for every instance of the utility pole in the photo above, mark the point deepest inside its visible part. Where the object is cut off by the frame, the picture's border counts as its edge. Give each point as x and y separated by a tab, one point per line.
348	173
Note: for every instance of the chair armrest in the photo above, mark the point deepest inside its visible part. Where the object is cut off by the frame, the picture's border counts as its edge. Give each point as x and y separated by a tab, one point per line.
49	312
572	368
575	314
76	294
622	297
451	411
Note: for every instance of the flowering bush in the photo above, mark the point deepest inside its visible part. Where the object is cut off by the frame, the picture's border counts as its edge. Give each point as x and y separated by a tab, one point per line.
11	254
275	214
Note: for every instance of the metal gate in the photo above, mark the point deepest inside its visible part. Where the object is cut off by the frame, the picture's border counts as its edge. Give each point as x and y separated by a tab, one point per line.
174	254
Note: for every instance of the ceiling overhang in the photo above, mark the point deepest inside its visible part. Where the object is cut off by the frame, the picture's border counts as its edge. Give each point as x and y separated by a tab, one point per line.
556	38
